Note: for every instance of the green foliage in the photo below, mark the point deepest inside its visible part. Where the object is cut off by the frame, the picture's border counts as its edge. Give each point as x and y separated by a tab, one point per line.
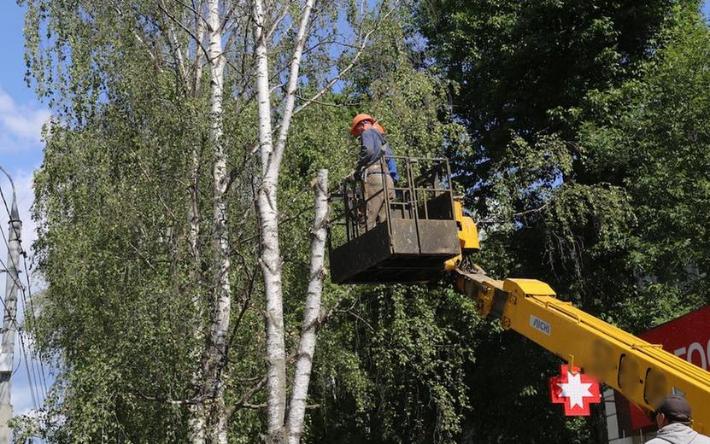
403	381
580	136
520	64
589	168
115	312
654	143
111	202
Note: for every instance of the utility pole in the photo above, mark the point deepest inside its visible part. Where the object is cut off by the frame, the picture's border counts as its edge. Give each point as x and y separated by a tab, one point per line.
9	321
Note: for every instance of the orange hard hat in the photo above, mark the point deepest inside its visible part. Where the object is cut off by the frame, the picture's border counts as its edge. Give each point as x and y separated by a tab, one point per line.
379	127
357	119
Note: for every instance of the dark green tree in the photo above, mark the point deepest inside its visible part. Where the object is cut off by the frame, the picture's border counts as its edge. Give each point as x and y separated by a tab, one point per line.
540	87
650	136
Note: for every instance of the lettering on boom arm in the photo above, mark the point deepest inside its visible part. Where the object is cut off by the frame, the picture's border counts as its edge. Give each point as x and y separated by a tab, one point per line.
540	325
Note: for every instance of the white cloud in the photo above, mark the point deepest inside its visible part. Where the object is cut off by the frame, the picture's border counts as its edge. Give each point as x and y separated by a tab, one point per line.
29	125
20	124
6	102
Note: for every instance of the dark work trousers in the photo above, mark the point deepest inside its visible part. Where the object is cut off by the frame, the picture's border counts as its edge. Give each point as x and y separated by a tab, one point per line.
374	179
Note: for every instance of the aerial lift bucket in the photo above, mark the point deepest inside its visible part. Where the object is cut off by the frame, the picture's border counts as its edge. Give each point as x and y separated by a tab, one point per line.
420	233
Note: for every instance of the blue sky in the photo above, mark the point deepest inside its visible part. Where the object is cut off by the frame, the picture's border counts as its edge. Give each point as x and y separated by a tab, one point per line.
20	113
21	119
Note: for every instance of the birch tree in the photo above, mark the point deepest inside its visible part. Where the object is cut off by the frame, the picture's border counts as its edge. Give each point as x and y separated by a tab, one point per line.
169	202
271	262
311	312
110	43
151	84
221	299
271	153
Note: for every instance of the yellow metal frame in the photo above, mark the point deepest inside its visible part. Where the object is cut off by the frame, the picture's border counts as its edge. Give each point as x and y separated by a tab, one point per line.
641	371
468	235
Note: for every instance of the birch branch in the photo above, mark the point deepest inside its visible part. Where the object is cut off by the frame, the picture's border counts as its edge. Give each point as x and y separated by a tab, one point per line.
307	345
199	24
345	70
278	21
140	40
290	98
247	396
262	86
179	59
228	16
194	9
198	42
166	400
197	65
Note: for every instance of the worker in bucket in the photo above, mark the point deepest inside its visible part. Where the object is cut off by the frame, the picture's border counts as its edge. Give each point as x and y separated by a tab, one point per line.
673	417
370	168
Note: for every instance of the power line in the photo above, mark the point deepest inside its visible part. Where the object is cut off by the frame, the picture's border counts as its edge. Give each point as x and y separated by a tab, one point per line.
33	367
35	377
22	332
32	315
13	319
29	376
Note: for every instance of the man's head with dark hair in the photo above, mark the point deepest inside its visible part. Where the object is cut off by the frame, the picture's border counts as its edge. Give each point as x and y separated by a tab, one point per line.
673	408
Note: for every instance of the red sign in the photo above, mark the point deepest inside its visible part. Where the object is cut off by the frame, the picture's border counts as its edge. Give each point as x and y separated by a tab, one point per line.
575	390
687	337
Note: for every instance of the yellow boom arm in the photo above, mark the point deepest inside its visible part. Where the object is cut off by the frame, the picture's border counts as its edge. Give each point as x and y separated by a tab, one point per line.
641	371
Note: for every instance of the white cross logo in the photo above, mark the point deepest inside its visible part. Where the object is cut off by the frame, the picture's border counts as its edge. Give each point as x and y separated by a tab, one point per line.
575	389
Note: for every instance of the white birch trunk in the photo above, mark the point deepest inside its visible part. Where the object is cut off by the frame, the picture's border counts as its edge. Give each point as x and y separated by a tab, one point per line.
311	313
271	265
197	421
220	425
271	262
271	255
262	85
290	99
219	328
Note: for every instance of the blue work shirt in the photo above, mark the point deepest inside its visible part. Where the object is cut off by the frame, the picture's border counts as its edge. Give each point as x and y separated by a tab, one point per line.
371	144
